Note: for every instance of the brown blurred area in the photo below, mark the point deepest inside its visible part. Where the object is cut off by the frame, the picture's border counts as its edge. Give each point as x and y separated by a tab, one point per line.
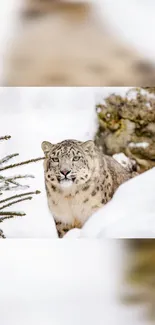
65	44
140	276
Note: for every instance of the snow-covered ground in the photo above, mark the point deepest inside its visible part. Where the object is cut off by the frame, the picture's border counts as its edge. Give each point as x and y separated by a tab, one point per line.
51	281
130	214
32	115
46	282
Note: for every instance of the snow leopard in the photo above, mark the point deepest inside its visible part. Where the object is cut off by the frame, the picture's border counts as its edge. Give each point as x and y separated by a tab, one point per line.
79	179
64	43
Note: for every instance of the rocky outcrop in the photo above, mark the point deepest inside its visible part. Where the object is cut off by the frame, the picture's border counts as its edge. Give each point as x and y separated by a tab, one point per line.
127	124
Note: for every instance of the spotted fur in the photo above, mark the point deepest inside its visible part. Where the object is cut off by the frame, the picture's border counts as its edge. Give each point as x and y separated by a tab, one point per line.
89	182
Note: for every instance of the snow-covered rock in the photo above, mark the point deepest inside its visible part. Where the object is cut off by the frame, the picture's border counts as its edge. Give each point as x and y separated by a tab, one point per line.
125	161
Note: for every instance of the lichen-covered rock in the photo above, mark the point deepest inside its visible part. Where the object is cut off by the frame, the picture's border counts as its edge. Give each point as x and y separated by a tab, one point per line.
127	124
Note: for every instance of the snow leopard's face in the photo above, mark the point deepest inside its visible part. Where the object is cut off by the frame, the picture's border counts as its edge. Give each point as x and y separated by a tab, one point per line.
68	163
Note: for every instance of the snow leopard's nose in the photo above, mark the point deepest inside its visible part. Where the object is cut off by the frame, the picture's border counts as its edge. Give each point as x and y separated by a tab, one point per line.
65	172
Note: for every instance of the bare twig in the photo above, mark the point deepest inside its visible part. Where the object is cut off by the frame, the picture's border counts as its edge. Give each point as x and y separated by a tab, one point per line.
7	158
22	163
19	195
11	203
6	137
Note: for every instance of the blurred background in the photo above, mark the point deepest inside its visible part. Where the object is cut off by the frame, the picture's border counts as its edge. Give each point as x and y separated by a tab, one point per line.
77	43
78	282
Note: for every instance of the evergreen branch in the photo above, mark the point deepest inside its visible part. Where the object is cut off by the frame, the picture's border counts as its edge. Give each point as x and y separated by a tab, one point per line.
6	181
19	195
7	158
7	217
18	177
2	234
22	163
6	137
12	213
11	180
7	187
11	203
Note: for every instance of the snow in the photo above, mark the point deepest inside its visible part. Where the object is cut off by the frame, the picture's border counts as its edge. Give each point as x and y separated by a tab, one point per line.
139	145
44	282
65	282
32	115
52	282
124	160
130	214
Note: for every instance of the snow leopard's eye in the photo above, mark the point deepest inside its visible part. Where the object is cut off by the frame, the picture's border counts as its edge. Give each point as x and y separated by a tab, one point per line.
55	159
76	158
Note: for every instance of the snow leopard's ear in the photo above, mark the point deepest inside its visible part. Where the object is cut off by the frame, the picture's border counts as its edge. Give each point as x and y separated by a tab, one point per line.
88	146
46	147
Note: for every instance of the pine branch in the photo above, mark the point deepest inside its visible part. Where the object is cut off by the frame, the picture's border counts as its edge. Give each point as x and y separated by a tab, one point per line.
2	234
17	186
19	195
12	213
11	180
7	158
6	183
18	177
6	137
22	163
7	217
11	203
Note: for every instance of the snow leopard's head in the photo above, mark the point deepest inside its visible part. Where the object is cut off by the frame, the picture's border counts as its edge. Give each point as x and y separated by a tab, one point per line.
69	162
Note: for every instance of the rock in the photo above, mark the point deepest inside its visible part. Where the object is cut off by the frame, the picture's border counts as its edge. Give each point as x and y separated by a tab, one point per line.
127	124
